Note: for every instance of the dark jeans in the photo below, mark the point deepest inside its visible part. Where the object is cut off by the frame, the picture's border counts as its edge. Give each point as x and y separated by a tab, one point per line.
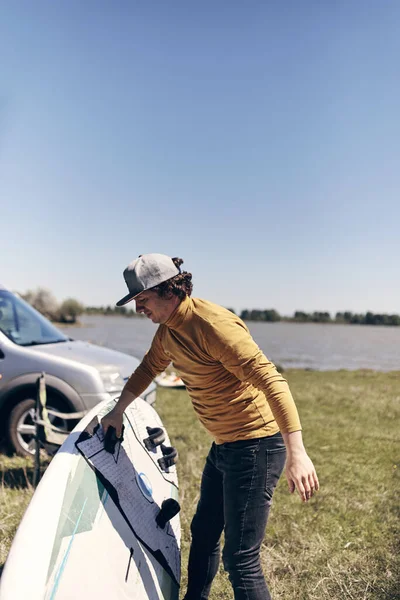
238	481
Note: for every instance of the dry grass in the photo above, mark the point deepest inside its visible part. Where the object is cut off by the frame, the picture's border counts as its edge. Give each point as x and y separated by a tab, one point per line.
341	545
16	475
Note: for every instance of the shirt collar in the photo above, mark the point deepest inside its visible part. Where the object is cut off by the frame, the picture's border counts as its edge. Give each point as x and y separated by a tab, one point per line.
180	314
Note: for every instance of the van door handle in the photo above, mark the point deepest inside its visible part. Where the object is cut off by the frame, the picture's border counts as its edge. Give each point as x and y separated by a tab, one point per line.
1	354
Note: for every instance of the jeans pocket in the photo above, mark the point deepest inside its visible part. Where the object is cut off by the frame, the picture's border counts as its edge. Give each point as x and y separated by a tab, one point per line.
276	458
240	456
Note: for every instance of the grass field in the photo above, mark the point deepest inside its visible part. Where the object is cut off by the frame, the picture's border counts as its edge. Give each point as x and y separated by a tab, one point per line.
343	544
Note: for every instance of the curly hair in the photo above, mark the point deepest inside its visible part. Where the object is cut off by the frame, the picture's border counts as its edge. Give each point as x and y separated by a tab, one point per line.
181	285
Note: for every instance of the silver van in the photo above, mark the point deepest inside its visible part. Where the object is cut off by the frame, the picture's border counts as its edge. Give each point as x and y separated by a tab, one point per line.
78	374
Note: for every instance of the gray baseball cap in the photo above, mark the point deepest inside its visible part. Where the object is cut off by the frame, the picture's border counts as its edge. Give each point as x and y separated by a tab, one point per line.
146	272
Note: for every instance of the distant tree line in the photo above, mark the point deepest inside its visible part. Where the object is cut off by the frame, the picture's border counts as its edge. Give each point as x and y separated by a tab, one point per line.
70	309
272	316
368	319
112	310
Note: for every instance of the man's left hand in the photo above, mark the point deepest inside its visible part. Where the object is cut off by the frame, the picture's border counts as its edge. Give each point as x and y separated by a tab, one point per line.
301	475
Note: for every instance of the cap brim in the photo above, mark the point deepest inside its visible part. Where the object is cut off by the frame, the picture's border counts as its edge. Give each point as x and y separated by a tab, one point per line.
126	299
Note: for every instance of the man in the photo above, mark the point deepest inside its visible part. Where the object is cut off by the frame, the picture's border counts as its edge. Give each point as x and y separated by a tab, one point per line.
243	402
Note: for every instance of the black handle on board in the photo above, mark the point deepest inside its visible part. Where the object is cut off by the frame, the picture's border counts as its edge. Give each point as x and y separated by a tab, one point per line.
169	508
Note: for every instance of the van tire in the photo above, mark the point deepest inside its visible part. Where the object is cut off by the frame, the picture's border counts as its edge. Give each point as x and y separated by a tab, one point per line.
22	415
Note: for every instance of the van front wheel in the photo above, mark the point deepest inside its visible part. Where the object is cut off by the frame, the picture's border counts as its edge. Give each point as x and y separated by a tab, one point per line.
21	426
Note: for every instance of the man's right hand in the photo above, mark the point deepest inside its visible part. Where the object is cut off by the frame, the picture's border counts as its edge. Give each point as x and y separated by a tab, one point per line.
113	419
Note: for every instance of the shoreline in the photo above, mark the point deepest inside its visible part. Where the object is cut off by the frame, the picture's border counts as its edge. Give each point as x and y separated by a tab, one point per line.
78	323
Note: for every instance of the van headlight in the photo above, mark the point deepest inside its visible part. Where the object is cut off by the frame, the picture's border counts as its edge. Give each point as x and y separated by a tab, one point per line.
112	381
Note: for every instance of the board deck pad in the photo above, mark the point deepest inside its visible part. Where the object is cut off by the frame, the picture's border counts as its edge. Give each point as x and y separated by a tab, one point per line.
131	486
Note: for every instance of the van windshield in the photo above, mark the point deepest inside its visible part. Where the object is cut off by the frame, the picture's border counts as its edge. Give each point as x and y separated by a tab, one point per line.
25	326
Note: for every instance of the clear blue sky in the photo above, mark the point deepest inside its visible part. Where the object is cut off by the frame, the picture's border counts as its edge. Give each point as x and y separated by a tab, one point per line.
259	141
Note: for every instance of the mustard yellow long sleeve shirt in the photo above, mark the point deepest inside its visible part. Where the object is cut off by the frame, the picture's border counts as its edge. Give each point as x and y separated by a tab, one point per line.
235	390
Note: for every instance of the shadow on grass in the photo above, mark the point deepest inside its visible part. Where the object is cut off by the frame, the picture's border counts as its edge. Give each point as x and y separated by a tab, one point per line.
5	448
19	477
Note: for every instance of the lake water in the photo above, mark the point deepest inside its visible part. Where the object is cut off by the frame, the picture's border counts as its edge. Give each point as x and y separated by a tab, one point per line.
292	345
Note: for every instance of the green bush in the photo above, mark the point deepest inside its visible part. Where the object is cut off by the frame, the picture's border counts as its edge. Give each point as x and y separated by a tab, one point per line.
69	310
